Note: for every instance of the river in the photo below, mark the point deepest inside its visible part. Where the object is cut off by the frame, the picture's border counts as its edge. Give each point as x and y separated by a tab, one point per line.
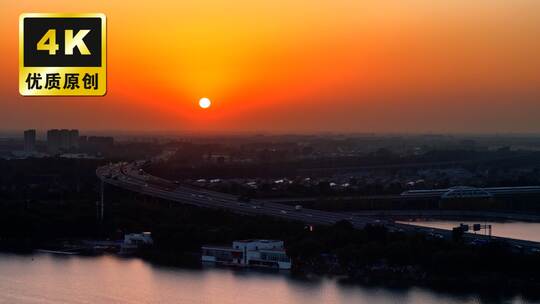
44	278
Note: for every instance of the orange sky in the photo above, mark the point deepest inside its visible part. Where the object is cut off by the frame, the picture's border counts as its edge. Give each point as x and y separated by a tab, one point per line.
297	66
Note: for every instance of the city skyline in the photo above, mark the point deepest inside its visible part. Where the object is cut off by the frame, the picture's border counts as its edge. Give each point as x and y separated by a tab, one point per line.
407	67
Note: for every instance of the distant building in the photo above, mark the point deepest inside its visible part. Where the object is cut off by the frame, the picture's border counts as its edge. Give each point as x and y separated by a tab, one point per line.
53	141
30	140
73	139
95	144
106	141
62	140
78	156
217	158
249	253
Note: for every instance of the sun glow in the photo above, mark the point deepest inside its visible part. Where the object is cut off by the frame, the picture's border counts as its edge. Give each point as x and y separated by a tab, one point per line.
204	103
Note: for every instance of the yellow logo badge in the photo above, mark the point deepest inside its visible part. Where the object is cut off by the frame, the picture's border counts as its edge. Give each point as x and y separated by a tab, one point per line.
62	54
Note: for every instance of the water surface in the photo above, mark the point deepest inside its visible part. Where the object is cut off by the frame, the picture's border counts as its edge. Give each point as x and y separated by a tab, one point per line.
44	278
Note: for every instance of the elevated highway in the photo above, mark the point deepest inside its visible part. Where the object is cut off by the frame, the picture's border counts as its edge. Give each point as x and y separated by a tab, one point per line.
129	176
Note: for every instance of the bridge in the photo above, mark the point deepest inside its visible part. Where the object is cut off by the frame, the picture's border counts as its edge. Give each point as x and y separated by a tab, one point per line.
449	214
131	177
471	192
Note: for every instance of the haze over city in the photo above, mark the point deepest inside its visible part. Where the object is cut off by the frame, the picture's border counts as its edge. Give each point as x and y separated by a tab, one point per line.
303	66
240	152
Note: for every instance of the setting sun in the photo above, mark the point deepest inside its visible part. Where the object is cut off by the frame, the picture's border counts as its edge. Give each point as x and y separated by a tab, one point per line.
204	103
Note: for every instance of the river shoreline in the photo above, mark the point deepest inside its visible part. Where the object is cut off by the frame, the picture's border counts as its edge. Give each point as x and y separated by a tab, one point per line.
373	276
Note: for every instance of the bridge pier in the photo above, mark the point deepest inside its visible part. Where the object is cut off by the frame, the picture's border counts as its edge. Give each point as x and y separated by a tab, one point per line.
102	201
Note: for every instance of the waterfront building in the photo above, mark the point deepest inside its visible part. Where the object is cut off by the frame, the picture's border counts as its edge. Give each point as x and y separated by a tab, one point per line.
134	241
249	253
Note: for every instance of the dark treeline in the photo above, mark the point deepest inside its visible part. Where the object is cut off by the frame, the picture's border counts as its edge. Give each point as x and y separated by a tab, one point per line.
176	228
379	173
191	162
42	179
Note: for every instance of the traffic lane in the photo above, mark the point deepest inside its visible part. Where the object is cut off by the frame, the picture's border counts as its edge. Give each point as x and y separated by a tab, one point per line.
210	198
245	209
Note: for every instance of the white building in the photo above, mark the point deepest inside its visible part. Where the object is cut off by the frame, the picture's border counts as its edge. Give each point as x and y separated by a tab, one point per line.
249	253
134	241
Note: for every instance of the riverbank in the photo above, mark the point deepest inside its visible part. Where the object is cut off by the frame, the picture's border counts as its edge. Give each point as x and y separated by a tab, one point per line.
387	276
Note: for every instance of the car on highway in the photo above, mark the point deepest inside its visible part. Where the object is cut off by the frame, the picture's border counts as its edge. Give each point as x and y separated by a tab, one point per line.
435	235
244	199
478	242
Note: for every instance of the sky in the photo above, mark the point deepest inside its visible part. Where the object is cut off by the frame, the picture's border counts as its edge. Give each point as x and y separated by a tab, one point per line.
303	66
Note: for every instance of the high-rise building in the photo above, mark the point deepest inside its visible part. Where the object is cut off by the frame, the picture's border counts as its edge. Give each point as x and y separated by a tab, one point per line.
62	140
53	141
30	140
74	139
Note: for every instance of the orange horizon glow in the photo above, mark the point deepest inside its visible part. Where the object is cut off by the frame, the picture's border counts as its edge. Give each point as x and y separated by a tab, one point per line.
297	66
